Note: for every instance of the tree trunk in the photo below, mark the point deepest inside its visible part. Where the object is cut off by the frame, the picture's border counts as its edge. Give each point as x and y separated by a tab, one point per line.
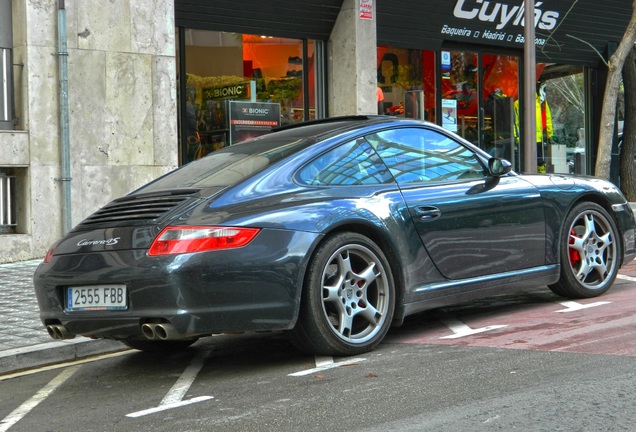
627	165
608	112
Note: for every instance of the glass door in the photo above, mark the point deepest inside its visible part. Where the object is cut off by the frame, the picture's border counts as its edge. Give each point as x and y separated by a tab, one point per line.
500	90
460	100
479	91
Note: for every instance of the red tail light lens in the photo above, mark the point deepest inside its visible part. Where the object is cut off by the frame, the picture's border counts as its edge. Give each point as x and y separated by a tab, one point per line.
178	240
49	254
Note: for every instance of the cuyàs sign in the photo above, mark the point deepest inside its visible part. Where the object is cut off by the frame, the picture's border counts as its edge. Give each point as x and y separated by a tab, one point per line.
502	14
499	21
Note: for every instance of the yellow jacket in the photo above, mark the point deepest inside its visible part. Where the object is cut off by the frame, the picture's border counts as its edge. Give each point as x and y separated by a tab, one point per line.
548	120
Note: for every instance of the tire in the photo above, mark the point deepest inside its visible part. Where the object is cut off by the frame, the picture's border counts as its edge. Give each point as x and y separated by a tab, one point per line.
589	252
158	346
348	298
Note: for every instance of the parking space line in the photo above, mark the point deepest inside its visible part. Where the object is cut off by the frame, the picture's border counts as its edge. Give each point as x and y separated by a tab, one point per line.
572	306
41	395
325	365
460	329
323	361
169	406
181	387
174	397
625	277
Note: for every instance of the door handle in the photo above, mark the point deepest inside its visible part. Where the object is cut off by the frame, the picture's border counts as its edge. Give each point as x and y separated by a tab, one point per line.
427	213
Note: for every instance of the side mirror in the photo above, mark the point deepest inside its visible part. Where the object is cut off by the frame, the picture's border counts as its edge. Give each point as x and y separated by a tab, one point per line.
499	167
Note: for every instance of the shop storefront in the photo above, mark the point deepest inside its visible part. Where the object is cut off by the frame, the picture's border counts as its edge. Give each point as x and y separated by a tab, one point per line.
465	58
456	63
248	70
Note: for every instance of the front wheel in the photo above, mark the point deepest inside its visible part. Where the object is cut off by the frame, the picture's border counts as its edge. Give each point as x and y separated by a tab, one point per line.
590	252
348	298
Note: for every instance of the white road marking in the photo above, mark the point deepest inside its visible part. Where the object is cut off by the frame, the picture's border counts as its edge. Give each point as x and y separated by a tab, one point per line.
573	306
181	387
41	395
460	329
169	406
174	397
323	361
629	278
322	364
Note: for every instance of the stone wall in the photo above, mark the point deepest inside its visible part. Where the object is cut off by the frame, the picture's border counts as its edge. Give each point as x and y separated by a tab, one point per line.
122	118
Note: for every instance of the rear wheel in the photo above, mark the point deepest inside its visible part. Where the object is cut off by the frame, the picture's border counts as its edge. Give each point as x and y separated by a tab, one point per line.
589	252
348	298
165	346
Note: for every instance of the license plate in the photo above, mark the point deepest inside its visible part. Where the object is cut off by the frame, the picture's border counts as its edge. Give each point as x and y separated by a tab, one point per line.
97	297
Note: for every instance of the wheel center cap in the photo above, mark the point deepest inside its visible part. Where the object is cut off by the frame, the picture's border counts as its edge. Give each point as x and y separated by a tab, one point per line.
349	292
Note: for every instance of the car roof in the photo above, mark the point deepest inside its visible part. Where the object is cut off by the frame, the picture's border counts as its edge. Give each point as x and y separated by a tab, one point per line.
323	128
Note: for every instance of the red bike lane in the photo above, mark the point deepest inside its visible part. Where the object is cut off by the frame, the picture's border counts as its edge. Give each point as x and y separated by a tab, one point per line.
537	320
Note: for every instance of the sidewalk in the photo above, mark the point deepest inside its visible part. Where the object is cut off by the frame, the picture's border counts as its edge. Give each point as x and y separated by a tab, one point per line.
24	342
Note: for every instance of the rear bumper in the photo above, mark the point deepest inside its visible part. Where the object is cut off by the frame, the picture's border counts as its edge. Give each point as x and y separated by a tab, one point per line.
254	288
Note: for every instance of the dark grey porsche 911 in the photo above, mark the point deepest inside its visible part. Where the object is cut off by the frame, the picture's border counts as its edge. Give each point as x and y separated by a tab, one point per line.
332	230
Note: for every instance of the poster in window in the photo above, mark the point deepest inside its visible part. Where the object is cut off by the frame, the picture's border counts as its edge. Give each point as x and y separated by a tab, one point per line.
252	119
449	114
446	64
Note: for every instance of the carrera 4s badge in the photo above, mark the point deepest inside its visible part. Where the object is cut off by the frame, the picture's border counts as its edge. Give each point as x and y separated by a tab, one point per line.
107	242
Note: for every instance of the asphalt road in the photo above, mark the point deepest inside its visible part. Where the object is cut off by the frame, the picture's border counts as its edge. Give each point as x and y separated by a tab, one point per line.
529	362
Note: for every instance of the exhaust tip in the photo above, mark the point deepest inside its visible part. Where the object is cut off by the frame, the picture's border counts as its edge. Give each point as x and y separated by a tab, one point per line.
166	331
159	331
59	332
148	330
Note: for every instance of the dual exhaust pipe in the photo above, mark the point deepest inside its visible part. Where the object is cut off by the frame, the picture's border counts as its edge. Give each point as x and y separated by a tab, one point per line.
151	331
159	331
59	332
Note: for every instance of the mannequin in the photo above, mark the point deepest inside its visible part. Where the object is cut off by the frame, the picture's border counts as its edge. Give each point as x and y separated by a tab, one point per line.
544	130
544	127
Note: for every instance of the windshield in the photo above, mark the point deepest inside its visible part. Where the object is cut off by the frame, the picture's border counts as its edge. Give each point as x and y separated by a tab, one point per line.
230	165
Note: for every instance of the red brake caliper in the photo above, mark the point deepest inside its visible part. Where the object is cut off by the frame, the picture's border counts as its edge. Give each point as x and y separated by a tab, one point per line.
361	303
574	254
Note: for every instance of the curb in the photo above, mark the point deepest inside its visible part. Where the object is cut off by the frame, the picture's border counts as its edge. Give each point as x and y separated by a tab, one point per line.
19	359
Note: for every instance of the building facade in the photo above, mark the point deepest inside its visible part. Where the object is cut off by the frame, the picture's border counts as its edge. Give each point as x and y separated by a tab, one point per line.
97	98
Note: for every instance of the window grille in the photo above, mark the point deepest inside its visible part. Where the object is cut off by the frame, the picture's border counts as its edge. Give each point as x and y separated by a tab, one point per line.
5	85
7	201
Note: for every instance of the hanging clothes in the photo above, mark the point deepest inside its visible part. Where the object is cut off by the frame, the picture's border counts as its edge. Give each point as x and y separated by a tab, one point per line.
544	130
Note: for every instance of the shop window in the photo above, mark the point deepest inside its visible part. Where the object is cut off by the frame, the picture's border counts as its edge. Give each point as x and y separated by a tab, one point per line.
406	82
239	86
565	97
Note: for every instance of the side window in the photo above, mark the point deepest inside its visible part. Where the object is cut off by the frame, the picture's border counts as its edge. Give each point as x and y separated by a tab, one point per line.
353	163
416	155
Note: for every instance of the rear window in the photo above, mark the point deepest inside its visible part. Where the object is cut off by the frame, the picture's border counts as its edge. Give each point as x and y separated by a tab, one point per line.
230	165
353	163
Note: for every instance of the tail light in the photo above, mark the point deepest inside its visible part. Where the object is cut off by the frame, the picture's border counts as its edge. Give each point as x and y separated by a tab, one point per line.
189	239
49	254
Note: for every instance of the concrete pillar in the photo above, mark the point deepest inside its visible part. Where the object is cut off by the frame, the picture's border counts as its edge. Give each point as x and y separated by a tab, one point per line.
352	62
